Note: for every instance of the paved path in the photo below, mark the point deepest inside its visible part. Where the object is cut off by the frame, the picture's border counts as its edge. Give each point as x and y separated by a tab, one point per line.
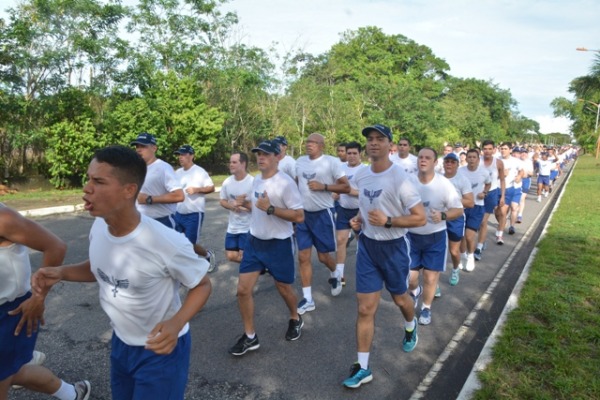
76	334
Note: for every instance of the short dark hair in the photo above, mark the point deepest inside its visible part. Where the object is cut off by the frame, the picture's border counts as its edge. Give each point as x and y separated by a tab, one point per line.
129	166
507	144
488	142
341	145
435	154
473	150
354	145
243	158
406	139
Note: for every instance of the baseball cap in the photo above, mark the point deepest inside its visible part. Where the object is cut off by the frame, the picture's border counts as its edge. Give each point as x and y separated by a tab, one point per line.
145	139
458	144
185	149
451	156
267	146
384	130
516	150
281	140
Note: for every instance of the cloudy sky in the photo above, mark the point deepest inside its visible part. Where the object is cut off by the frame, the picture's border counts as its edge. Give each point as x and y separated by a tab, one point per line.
525	46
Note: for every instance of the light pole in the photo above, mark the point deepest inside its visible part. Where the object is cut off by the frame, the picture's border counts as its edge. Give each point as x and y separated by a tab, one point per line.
596	128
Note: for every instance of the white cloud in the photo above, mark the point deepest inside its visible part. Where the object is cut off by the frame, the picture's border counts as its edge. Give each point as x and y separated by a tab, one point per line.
550	124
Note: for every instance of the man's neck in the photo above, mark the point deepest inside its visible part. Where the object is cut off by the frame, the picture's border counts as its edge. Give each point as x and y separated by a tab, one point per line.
426	177
381	164
239	176
124	223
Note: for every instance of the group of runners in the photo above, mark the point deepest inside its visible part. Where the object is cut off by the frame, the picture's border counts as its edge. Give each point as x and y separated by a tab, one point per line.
405	211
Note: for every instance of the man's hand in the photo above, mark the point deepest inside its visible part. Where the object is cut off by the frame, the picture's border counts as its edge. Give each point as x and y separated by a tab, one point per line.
263	202
163	338
32	311
377	218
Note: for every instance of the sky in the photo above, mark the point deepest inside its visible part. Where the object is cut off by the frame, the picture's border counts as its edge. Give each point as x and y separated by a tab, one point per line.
525	46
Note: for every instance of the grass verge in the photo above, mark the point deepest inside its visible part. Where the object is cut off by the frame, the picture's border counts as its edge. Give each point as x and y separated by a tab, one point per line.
550	345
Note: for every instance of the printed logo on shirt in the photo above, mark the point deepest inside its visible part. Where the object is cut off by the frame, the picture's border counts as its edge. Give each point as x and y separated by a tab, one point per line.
372	194
474	185
232	197
308	177
258	195
425	204
116	283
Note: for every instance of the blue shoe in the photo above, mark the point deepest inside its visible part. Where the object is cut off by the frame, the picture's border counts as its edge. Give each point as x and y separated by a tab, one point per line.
425	317
410	340
358	376
477	254
305	306
438	292
416	297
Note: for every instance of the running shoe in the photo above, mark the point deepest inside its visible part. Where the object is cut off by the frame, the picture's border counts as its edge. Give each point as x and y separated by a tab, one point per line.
336	286
511	230
477	254
499	240
83	389
410	340
210	257
417	296
470	266
244	345
438	292
305	306
425	317
454	277
358	376
294	329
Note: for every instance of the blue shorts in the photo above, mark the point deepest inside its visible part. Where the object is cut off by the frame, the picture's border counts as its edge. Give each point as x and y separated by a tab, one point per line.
428	251
317	230
513	195
553	175
543	180
474	217
277	255
382	261
140	374
190	225
526	185
15	351
167	221
491	200
343	217
235	241
456	229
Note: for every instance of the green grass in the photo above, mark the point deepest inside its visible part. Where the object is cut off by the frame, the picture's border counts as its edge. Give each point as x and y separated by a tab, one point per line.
550	346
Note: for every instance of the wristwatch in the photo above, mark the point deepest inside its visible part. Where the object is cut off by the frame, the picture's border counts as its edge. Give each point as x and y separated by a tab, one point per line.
271	210
388	223
443	216
149	200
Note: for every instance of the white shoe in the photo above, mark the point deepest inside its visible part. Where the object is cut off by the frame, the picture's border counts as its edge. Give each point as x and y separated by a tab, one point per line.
470	265
463	261
539	199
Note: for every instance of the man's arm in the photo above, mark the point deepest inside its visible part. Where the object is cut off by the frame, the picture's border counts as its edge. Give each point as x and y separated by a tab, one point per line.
163	338
176	196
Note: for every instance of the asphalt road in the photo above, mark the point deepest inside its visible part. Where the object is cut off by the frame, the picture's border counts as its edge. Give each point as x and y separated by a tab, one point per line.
76	335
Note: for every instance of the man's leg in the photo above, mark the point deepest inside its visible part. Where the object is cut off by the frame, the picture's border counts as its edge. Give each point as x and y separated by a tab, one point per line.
246	284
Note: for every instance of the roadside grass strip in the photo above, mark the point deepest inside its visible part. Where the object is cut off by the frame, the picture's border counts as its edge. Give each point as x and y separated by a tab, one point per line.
550	345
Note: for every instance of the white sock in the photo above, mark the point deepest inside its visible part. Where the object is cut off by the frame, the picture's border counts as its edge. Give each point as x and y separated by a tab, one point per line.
307	292
426	306
65	392
251	336
480	246
409	326
463	255
363	360
340	269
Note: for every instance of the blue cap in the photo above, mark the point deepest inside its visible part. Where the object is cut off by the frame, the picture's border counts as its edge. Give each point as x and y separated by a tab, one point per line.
185	149
451	156
384	130
281	140
268	146
145	139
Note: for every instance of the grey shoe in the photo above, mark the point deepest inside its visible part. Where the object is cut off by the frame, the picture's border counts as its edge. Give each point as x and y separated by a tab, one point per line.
210	257
83	389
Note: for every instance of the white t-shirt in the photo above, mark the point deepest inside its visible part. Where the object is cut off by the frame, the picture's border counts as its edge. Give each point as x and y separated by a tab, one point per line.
160	179
139	276
347	201
545	166
325	169
239	222
408	164
15	273
195	176
283	193
492	170
512	166
390	191
477	179
288	165
437	195
461	184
